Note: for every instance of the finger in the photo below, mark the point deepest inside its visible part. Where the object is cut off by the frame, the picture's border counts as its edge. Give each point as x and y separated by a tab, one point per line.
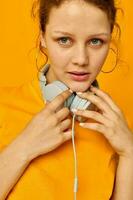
102	105
62	114
106	97
94	126
47	102
59	100
67	135
100	128
64	125
93	115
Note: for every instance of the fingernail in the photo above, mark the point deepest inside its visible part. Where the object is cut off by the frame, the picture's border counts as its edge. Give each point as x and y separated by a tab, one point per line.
70	90
79	92
81	124
74	110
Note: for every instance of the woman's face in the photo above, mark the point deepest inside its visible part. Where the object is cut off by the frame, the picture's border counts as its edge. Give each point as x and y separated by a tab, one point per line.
77	39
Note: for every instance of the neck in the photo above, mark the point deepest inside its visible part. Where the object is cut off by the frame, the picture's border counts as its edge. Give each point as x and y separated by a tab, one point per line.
50	76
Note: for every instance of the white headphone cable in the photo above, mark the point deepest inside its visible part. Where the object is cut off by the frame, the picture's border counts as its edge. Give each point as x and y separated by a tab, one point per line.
75	161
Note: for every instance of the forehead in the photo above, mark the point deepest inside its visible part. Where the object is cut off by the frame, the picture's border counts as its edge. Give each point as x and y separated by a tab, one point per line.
76	15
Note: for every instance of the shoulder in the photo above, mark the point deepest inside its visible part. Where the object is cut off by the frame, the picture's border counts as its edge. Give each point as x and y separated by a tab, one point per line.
18	105
28	92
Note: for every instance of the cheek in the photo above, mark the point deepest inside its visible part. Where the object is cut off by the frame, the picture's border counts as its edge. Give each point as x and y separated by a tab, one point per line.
58	56
98	58
58	61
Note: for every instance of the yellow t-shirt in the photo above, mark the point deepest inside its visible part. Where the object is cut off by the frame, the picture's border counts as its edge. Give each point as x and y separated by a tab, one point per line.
51	176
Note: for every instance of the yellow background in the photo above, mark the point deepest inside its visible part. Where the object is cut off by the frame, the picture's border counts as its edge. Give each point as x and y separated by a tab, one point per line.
18	33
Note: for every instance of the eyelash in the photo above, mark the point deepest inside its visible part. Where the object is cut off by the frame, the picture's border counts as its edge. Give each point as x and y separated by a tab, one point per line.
101	41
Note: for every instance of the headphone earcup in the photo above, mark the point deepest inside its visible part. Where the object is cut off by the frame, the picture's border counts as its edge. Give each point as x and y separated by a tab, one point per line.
79	103
50	91
63	87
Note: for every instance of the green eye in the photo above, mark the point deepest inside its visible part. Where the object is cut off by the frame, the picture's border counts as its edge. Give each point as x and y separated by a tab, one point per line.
63	40
96	41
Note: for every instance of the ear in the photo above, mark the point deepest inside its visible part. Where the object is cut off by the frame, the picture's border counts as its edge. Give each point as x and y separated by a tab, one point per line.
42	39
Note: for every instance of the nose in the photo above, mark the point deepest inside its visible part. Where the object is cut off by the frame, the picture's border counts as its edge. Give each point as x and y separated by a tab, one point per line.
80	56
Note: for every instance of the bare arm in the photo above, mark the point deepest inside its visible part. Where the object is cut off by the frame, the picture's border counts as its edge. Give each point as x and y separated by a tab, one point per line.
123	189
113	125
13	162
38	138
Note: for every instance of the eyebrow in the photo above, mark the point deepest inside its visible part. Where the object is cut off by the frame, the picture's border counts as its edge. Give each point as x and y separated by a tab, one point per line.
66	33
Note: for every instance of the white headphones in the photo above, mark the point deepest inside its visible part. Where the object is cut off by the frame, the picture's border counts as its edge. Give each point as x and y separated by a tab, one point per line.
50	91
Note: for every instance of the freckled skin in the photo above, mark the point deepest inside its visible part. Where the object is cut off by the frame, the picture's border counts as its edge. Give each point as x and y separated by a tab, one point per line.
77	52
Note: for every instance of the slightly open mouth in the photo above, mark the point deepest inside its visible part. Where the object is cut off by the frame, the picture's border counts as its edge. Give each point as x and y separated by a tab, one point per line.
79	74
79	77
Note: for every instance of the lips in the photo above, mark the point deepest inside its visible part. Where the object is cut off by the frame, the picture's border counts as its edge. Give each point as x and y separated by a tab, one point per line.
79	76
79	73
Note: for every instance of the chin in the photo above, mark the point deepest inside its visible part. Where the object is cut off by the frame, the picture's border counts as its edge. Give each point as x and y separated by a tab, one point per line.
79	87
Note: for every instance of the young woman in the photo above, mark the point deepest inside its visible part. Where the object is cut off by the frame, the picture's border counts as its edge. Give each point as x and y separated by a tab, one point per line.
36	159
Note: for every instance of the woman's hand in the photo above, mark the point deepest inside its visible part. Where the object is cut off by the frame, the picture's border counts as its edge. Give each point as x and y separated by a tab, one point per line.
48	129
111	121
